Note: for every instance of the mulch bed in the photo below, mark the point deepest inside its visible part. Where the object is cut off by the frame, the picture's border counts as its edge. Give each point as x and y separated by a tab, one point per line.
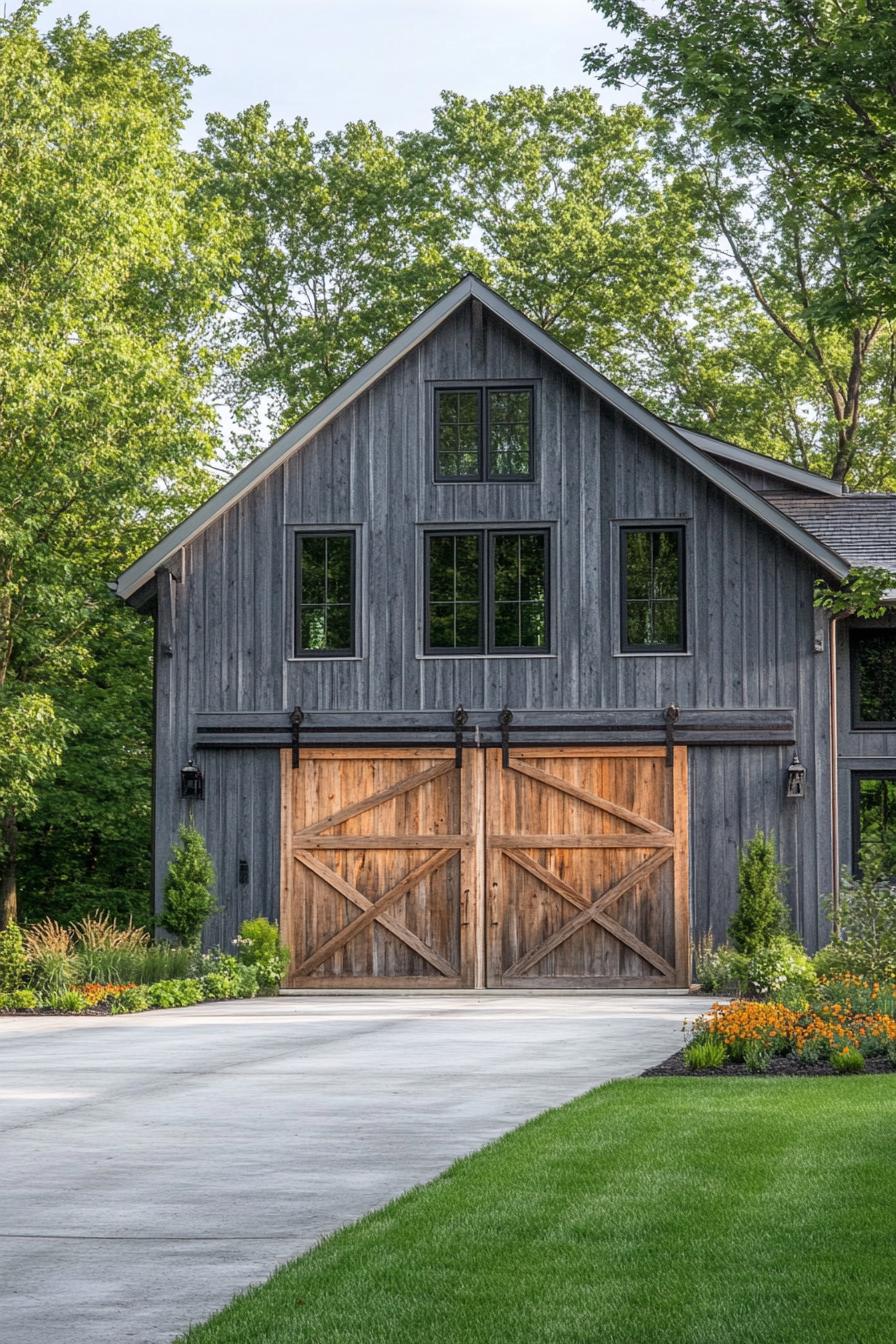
779	1066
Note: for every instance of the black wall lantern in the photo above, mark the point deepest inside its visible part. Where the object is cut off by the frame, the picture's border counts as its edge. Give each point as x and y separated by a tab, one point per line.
796	778
191	780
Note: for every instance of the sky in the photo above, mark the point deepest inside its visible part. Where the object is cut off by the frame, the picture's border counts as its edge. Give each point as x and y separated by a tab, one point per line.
334	61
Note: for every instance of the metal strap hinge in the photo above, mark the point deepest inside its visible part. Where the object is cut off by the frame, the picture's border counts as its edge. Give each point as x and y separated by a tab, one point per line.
295	722
671	714
505	719
459	718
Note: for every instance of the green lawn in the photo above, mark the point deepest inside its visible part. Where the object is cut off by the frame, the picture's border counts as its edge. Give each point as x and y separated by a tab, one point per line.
657	1211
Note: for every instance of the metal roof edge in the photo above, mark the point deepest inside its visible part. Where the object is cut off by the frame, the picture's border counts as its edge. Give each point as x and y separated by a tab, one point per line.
733	452
470	286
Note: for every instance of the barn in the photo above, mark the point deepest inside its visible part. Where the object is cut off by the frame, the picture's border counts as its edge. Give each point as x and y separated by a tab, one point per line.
481	673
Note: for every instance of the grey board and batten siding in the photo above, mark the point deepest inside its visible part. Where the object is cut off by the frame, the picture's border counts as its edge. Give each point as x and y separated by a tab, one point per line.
751	624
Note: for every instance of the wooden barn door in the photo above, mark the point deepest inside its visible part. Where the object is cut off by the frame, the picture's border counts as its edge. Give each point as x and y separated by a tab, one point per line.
380	881
587	868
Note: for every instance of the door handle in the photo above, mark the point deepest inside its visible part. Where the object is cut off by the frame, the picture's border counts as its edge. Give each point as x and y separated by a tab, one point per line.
465	908
493	906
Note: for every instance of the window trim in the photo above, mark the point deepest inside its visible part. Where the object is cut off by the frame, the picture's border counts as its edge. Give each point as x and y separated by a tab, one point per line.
856	777
652	525
298	536
483	391
466	650
486	531
857	723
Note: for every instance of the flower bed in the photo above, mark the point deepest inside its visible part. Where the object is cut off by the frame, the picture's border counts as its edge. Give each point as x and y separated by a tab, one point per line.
97	967
846	1025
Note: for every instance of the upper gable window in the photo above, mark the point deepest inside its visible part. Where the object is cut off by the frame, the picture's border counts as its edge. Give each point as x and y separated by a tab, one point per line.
652	562
325	594
484	434
873	678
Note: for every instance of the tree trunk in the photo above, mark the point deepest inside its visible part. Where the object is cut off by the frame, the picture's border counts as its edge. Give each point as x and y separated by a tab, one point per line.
9	852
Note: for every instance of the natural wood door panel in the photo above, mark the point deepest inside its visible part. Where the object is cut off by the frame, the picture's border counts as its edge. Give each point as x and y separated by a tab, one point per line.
587	868
380	869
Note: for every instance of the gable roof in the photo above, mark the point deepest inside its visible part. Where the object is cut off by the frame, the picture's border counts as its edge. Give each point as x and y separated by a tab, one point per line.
142	571
772	466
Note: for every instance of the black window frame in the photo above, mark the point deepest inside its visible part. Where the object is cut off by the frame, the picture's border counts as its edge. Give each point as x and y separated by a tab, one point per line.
456	651
860	725
484	474
856	777
488	647
625	530
300	535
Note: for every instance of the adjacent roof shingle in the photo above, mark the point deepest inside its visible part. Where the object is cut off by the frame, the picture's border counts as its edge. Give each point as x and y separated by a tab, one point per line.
859	528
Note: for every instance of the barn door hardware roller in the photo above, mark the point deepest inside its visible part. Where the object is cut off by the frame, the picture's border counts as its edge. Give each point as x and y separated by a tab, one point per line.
459	718
295	723
505	719
671	714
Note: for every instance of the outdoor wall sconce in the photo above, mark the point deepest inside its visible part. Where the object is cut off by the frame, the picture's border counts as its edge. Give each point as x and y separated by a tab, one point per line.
796	778
191	780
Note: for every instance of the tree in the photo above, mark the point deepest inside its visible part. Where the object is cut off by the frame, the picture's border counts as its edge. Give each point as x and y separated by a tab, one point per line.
785	114
342	240
189	888
109	262
761	915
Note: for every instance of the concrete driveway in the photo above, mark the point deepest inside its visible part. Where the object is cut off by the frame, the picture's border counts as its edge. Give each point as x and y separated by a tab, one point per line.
155	1165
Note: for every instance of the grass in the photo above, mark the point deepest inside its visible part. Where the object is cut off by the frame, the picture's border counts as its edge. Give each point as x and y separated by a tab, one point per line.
656	1211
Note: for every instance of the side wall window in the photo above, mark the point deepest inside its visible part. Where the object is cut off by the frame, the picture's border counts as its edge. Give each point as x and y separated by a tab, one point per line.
873	676
652	589
487	591
874	818
325	593
484	434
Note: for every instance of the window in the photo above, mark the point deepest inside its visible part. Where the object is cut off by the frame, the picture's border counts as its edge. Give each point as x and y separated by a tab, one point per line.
454	578
325	590
873	660
500	418
652	563
874	818
509	614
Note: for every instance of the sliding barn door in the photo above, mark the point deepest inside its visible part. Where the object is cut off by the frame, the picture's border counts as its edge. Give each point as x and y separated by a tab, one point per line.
380	880
587	868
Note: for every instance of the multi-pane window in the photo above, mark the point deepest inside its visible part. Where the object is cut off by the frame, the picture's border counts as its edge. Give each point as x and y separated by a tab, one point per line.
508	613
325	589
519	590
484	433
454	574
459	434
652	563
874	820
873	678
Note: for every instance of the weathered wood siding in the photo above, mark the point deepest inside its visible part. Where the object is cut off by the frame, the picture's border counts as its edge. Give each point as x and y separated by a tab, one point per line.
751	625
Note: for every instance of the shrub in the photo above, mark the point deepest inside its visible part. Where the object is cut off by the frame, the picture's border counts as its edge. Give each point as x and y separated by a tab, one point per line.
260	946
719	969
130	1001
100	943
18	1001
761	913
706	1053
189	889
48	947
848	1060
781	967
812	1049
867	916
173	993
69	1001
230	981
13	961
